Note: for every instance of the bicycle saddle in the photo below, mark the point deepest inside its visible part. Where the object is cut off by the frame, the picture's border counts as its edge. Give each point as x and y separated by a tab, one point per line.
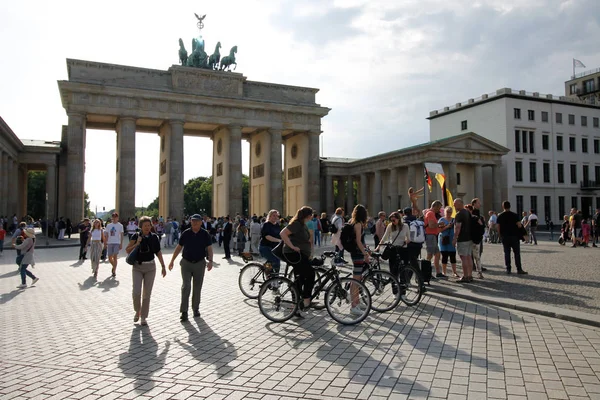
329	254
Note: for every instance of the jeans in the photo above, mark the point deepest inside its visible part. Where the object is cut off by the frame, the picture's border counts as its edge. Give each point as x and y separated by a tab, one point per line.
267	253
143	278
532	237
1	246
318	238
512	243
192	275
304	275
24	273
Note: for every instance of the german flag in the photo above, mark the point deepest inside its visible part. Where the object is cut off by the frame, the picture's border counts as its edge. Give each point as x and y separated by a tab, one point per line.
428	180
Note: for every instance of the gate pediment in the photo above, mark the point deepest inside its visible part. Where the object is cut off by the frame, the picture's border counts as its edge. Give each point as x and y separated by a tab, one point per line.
205	82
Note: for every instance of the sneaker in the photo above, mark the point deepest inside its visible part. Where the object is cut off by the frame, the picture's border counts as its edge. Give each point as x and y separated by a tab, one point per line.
34	281
301	313
184	317
357	310
22	286
593	245
521	272
196	313
479	275
440	275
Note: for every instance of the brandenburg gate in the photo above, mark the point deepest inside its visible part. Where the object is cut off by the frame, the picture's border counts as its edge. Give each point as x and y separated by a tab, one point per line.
223	106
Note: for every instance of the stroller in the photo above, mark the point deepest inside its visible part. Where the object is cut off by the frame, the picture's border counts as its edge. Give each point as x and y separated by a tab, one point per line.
565	235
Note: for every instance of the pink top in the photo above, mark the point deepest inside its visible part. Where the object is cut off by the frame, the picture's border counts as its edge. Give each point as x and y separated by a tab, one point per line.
585	229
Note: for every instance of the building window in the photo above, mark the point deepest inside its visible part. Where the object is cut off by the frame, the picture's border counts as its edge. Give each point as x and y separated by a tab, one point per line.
571	119
559	143
533	203
596	146
596	122
584	143
573	173
544	116
517	113
519	171
561	207
546	168
457	178
531	143
572	146
517	141
586	173
524	135
573	88
547	208
597	173
519	205
559	118
531	115
574	202
561	173
545	142
532	171
588	86
463	125
583	120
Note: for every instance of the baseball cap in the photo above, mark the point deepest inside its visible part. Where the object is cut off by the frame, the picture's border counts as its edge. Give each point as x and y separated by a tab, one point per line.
408	210
196	216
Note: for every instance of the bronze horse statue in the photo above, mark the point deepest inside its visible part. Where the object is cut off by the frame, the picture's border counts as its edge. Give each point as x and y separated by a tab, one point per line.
229	60
183	54
213	60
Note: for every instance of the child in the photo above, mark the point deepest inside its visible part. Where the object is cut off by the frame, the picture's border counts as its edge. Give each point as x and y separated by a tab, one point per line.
585	232
2	236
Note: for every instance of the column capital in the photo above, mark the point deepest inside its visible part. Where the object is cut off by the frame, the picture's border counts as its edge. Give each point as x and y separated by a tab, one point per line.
127	118
73	114
176	122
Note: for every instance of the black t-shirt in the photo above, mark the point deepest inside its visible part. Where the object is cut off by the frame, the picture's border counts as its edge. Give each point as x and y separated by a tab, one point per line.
300	237
508	224
194	244
577	217
464	218
269	229
149	246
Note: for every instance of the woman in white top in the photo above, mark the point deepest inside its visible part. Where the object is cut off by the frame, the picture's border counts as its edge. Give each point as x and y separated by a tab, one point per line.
96	239
398	235
131	228
26	258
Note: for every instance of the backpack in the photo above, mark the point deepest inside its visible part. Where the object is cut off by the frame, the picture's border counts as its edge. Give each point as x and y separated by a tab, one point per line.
332	228
348	238
477	230
417	231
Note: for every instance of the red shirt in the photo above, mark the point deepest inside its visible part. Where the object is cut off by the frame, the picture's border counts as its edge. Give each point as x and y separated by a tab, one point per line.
430	216
2	234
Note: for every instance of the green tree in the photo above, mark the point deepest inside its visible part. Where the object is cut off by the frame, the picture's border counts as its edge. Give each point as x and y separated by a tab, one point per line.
245	194
86	205
197	195
36	194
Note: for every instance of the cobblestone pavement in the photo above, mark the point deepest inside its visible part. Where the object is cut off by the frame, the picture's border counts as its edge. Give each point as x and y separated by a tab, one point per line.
70	337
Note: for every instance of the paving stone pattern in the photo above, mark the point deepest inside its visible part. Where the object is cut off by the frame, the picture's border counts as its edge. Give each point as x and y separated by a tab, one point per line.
70	337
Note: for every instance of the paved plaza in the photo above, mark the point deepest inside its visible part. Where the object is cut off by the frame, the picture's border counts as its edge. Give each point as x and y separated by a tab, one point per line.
72	337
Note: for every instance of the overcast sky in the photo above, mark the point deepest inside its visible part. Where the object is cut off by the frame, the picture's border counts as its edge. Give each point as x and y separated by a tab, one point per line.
380	65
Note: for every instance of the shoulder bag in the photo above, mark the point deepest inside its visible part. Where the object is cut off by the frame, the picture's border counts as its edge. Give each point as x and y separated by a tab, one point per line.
387	252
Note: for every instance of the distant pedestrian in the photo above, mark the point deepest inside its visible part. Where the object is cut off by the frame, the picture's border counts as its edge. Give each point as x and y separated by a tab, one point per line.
508	229
595	227
84	232
586	230
532	224
113	235
227	233
2	237
132	228
26	258
337	222
68	228
95	241
324	228
62	227
446	238
255	229
196	244
462	240
241	235
269	239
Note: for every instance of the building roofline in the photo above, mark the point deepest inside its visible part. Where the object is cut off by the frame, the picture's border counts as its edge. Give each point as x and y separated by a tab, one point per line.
510	93
10	134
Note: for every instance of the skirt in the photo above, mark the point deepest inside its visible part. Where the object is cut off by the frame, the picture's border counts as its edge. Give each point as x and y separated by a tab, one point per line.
96	252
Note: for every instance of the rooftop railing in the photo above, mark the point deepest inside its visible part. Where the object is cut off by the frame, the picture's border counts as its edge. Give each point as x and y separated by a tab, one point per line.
585	73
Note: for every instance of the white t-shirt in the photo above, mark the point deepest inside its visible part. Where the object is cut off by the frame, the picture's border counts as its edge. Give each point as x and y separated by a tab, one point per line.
97	234
114	232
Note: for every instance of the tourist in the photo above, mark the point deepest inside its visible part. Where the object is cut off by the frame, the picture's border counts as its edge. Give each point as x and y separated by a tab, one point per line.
68	228
113	239
359	256
269	238
476	204
492	228
524	219
477	228
508	229
532	224
255	235
95	241
132	228
84	232
227	233
414	248
297	239
324	228
62	227
432	230
446	239
586	229
26	257
462	240
144	270
576	218
240	237
397	235
168	233
338	222
318	228
379	227
312	227
595	227
197	249
2	237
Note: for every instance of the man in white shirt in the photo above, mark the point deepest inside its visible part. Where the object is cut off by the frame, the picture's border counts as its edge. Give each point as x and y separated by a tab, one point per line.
113	240
532	224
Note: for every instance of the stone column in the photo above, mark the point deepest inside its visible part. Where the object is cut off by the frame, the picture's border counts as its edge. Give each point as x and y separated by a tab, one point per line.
363	195
350	193
125	193
377	204
235	170
13	191
4	183
21	185
51	191
175	165
314	172
478	187
412	177
451	180
329	205
75	167
496	188
276	177
393	190
341	194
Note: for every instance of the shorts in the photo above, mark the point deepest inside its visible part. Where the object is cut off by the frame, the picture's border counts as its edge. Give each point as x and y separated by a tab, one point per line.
464	249
448	254
358	264
576	232
112	249
431	244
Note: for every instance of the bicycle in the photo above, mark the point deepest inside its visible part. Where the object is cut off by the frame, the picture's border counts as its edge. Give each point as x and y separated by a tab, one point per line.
279	300
409	279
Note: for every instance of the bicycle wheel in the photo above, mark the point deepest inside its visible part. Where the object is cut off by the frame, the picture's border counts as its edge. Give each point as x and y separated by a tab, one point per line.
411	285
384	290
339	298
316	303
251	278
278	299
